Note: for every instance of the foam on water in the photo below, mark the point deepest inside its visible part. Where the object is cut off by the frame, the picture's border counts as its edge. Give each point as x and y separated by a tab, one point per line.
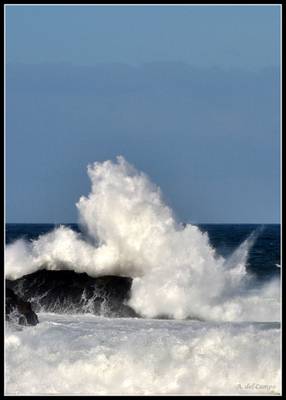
132	232
72	354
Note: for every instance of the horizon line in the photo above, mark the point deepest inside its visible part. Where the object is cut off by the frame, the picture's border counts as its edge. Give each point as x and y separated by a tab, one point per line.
192	223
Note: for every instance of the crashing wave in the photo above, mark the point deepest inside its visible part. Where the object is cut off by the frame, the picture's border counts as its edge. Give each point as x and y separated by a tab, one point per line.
131	232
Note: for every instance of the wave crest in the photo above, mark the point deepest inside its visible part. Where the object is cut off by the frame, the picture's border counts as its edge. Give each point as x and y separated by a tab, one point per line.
132	233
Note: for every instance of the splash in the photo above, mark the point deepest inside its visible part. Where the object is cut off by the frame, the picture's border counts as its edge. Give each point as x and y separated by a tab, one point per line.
84	354
132	232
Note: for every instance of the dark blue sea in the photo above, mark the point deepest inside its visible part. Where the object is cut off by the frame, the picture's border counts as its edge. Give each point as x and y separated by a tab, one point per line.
264	256
232	348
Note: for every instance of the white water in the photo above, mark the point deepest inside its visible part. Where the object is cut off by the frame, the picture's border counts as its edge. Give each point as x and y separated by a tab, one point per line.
72	354
131	232
176	272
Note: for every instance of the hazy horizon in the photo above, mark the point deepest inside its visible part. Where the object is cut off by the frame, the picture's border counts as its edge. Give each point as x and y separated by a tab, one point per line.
189	95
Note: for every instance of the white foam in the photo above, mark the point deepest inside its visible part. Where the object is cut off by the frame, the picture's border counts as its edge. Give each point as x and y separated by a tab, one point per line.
133	233
91	355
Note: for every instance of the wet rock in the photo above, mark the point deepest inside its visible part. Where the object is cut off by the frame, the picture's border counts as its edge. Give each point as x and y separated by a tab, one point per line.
67	291
18	310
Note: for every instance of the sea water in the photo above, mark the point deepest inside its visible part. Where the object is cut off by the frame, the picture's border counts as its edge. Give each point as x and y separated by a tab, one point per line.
217	287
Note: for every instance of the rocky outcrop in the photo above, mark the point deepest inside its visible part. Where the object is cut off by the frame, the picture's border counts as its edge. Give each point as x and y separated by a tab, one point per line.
18	310
67	291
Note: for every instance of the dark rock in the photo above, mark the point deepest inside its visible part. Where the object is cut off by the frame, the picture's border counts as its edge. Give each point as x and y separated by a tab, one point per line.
67	291
19	310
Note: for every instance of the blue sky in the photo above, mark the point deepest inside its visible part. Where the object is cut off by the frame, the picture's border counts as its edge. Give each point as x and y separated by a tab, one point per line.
189	94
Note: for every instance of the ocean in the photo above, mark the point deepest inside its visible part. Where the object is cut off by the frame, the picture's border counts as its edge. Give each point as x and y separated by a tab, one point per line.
263	258
206	299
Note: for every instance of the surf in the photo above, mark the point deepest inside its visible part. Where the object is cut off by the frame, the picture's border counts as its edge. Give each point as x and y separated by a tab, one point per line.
128	230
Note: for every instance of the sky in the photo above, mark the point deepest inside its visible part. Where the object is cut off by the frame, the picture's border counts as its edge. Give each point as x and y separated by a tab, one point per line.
188	94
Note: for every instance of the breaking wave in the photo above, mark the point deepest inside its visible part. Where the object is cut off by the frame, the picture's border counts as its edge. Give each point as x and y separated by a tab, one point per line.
68	354
128	230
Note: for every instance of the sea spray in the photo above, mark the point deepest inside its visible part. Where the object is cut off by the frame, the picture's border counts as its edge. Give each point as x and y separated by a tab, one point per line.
176	272
85	354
